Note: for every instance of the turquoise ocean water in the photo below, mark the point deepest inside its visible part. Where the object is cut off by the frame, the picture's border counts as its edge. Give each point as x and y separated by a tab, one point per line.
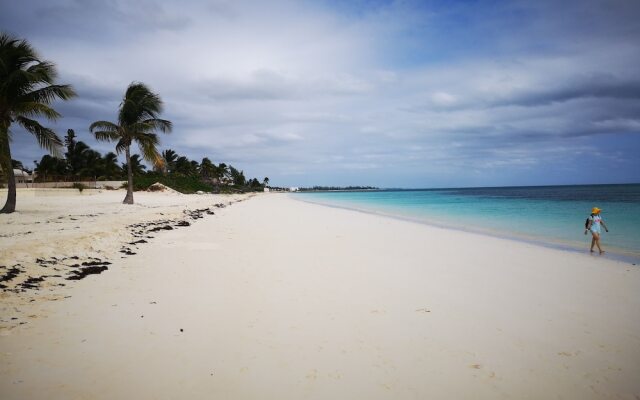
547	215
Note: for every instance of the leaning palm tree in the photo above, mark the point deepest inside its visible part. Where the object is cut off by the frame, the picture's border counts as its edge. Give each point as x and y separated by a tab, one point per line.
137	122
27	90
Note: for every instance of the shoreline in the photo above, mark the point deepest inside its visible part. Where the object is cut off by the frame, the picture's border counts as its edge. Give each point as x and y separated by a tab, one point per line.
617	254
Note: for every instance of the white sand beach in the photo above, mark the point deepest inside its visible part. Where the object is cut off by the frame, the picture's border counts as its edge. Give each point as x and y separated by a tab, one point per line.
57	231
274	298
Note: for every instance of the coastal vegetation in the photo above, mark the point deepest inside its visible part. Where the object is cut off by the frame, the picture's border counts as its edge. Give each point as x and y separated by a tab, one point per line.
82	163
27	89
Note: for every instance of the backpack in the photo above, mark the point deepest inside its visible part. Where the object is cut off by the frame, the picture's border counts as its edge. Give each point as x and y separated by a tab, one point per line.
589	218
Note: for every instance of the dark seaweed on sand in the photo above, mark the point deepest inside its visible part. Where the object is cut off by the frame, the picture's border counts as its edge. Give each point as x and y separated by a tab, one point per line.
11	273
84	272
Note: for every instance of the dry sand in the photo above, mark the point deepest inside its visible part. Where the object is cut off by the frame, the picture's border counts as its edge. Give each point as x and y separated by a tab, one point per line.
278	299
58	231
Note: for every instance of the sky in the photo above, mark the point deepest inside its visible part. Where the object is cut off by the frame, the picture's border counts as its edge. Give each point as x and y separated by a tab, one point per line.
412	94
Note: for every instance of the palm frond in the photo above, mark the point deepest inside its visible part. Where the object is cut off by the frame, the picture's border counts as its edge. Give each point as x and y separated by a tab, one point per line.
159	161
139	104
32	109
103	125
148	144
122	145
47	139
148	139
49	93
139	128
15	54
162	125
106	136
43	72
105	131
15	81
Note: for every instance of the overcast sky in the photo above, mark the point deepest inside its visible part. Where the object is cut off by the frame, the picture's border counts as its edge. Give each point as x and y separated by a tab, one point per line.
385	93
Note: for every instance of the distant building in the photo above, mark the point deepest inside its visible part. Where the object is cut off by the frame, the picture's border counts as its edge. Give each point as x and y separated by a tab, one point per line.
22	176
294	189
266	189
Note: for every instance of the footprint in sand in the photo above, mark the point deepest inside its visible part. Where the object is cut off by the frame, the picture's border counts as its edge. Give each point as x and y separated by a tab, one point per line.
568	354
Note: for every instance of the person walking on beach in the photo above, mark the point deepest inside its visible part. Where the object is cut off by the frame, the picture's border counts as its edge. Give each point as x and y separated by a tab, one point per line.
593	225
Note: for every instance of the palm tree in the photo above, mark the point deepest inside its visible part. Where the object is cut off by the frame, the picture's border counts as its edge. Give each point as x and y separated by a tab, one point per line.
222	171
237	177
169	158
111	168
265	181
76	158
70	140
194	168
91	164
207	168
50	167
27	90
137	122
185	167
137	167
15	164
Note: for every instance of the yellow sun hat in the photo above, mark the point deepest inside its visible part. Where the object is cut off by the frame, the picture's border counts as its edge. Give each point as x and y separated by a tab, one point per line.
595	210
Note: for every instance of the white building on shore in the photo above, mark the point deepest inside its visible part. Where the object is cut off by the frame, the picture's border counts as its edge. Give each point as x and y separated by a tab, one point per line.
22	177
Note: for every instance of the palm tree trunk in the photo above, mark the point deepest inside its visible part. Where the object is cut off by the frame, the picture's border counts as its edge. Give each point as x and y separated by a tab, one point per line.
129	197
10	205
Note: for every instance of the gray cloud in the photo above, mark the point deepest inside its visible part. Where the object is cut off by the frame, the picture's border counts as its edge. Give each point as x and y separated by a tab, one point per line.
271	85
95	19
411	93
596	87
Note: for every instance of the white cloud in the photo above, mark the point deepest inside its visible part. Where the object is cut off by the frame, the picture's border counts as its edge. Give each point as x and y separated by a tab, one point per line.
304	89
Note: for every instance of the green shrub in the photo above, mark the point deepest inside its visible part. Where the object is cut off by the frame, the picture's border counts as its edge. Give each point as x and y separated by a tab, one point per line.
79	186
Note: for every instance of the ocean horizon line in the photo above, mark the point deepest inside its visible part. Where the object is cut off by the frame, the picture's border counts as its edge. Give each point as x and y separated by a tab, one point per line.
470	187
